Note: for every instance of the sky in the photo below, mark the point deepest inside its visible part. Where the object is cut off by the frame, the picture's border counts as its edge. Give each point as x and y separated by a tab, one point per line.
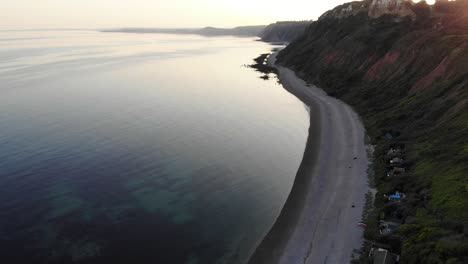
92	14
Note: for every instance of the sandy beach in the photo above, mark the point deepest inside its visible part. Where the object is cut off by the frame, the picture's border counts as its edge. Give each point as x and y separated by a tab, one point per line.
319	222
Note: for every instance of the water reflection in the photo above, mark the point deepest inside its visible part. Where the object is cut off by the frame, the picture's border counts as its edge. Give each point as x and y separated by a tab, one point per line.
128	148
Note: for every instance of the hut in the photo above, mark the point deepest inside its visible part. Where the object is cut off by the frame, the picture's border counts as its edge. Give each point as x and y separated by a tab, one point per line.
383	256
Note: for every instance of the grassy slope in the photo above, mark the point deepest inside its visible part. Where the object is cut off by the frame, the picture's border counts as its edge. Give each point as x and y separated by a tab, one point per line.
410	78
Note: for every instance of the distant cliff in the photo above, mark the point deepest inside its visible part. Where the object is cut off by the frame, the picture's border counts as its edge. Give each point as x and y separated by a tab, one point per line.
404	67
244	31
247	31
276	32
286	31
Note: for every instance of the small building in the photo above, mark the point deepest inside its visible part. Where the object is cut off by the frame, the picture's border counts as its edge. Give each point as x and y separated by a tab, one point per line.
383	256
396	161
396	171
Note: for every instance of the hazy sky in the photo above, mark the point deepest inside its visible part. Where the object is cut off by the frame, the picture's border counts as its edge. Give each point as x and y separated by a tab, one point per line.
28	14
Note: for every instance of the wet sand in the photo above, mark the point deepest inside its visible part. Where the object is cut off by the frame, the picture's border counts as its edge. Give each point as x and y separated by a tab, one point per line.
318	223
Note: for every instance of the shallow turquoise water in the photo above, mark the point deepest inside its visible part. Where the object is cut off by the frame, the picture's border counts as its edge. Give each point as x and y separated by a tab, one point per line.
140	148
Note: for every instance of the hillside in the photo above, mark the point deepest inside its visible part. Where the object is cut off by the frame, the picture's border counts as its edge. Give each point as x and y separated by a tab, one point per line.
404	68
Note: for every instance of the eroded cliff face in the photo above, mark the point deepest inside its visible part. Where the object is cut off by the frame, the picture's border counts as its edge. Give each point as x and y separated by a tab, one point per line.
347	10
407	74
374	9
393	7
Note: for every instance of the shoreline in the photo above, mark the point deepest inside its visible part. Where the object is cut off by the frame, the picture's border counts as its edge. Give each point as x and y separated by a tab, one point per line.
318	223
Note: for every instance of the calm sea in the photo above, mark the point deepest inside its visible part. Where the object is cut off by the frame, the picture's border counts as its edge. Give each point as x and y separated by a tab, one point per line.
140	148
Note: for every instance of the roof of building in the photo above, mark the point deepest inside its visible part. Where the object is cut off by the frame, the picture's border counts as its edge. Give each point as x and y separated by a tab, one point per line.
383	256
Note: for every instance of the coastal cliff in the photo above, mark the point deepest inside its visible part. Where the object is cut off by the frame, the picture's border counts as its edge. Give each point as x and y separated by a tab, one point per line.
404	68
284	31
243	31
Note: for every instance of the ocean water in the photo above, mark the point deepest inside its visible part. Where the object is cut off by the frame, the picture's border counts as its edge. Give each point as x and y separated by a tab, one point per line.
140	148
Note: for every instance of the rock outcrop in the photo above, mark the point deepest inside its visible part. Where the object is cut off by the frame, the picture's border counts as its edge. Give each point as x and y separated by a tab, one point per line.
394	7
346	10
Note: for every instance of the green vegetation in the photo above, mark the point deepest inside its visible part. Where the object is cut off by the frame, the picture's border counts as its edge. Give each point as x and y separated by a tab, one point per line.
408	78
